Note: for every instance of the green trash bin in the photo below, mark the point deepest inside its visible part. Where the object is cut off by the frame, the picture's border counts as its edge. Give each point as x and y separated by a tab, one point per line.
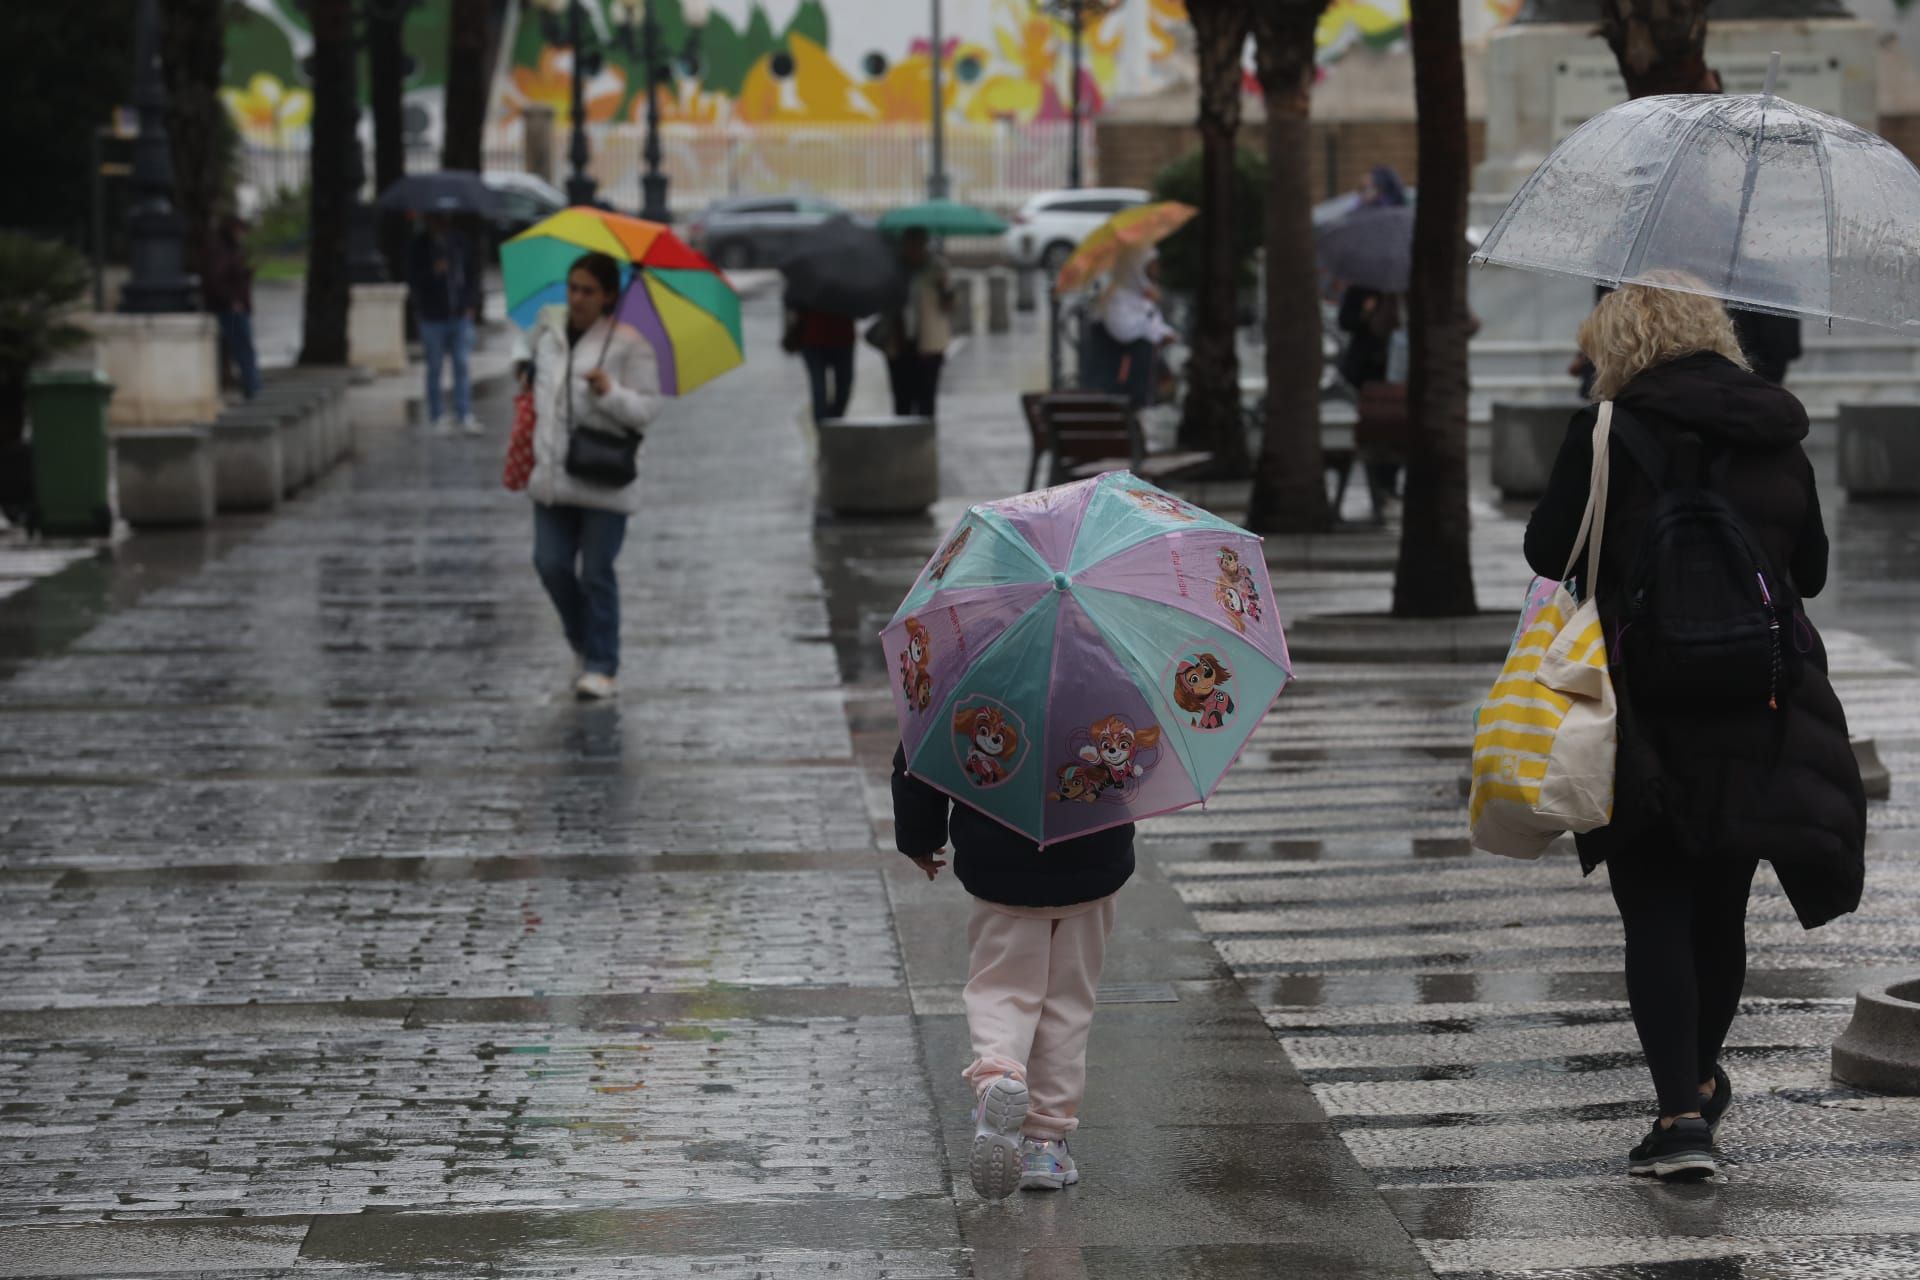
68	413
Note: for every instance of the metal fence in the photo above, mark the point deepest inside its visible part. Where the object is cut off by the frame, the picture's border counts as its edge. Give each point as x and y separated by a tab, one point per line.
865	167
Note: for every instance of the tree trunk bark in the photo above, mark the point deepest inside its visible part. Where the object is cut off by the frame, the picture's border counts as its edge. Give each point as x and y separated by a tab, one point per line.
193	47
1434	578
1290	484
334	181
386	93
1211	418
468	70
1659	44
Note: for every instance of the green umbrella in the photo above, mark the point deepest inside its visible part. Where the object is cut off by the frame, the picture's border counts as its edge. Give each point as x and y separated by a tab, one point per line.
943	218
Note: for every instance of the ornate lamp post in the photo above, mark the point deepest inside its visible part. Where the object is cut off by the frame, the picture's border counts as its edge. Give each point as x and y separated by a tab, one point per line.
937	112
156	237
1075	14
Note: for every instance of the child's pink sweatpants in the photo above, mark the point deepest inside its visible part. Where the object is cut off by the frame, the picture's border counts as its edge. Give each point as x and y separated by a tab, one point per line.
1029	997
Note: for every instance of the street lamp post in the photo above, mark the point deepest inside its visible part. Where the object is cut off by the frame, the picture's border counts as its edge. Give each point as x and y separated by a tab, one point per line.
653	183
937	186
581	188
156	234
1075	14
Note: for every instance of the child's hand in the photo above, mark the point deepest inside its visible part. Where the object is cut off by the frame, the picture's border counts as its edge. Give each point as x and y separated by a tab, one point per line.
931	863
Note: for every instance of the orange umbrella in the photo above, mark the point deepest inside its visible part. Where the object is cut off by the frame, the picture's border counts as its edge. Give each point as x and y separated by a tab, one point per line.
1135	228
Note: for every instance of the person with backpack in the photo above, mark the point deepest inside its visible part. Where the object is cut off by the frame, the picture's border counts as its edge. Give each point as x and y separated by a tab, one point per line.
1733	748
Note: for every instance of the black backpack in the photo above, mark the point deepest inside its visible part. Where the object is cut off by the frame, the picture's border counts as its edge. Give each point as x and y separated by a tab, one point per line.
1705	611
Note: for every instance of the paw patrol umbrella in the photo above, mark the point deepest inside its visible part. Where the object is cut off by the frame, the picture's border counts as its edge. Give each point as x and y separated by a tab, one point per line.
1085	656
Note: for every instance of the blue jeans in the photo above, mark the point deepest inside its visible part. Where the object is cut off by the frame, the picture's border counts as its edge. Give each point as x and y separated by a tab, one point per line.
236	340
829	398
443	338
573	551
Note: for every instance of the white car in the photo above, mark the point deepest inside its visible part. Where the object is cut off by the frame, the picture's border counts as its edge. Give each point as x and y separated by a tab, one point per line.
1052	224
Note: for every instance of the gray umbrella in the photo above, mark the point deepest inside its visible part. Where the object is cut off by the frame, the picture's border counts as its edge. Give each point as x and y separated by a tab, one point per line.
845	268
448	191
1768	204
1372	247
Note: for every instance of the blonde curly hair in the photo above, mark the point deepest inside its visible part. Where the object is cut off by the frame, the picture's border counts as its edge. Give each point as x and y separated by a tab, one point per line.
1639	326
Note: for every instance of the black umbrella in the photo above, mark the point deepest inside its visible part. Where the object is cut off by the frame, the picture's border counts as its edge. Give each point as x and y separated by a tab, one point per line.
845	268
449	191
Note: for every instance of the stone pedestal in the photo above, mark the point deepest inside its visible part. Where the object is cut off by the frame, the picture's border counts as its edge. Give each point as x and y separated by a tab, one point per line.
377	327
1026	289
1526	439
1880	1049
165	368
1880	450
963	293
999	301
164	475
878	466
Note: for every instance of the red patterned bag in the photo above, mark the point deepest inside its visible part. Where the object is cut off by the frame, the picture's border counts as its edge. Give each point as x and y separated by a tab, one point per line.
519	468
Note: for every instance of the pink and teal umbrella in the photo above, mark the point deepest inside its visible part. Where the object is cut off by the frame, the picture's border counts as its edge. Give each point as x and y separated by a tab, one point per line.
678	300
1085	656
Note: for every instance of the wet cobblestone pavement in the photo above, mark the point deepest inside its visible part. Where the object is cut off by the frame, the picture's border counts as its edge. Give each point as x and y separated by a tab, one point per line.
336	940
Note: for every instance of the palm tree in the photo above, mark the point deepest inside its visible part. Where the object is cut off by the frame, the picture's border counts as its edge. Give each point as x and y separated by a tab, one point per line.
1434	577
335	173
1289	484
469	68
192	49
1659	44
386	89
1211	419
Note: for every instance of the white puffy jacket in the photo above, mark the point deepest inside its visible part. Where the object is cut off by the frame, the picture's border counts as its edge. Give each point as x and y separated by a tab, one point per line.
629	404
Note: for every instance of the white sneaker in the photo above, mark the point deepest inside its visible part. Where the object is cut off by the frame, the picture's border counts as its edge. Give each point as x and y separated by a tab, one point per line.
594	687
471	425
445	427
1046	1166
994	1165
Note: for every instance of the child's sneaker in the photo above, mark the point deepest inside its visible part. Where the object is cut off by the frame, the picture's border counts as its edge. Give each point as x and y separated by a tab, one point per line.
1046	1166
995	1164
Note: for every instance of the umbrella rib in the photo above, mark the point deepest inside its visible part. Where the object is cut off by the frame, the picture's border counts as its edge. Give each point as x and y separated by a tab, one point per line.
1821	162
1637	254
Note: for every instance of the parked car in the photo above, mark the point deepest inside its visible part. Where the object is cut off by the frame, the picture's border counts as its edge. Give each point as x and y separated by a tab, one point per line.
1052	224
757	231
520	199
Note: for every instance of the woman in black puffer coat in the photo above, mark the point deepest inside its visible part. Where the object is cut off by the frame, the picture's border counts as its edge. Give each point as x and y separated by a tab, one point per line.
1705	791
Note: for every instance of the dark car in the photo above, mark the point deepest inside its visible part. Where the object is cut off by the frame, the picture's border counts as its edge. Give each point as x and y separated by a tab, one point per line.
520	200
757	231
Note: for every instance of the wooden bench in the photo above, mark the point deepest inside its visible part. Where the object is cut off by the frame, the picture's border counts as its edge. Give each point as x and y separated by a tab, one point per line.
1089	433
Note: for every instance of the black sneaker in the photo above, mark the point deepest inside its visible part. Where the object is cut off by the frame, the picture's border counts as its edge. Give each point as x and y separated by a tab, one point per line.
1714	1109
1680	1153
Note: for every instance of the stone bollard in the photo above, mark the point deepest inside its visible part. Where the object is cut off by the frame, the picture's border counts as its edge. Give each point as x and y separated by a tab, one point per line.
1526	439
878	466
377	327
1880	1049
1880	450
1026	293
962	304
999	301
164	475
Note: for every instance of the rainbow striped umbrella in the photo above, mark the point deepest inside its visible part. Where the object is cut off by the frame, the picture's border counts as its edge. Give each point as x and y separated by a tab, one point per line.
677	299
1134	228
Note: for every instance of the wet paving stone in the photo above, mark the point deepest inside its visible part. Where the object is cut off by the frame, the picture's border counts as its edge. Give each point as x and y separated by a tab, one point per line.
198	942
513	1116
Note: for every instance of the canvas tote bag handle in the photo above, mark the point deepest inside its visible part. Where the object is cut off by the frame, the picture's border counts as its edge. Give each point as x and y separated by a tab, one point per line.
1593	521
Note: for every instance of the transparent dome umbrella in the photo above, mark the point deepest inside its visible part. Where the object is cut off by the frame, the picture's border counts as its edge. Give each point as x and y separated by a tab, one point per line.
1751	198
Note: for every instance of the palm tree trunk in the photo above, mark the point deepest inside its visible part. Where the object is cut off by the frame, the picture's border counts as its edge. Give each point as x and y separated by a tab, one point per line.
386	92
468	70
1434	577
1211	418
334	180
1659	44
1289	483
193	47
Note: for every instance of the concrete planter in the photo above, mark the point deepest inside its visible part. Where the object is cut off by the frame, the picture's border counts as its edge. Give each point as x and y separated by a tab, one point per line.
165	368
164	476
878	466
247	463
1526	439
1880	450
1880	1049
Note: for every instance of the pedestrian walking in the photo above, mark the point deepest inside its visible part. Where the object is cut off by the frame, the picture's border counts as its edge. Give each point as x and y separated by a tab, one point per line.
1128	318
824	342
226	286
1711	517
1371	318
1036	941
914	337
446	304
596	385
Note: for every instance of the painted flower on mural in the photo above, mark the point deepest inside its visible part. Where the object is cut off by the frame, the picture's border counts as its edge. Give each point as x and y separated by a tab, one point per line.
267	109
1036	57
801	83
900	91
551	84
682	102
1167	20
1347	23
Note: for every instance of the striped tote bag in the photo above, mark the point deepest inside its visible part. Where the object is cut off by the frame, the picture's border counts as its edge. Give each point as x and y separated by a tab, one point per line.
1543	741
